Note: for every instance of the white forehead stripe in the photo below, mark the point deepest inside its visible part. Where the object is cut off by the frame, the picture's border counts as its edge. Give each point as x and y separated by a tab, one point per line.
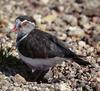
17	22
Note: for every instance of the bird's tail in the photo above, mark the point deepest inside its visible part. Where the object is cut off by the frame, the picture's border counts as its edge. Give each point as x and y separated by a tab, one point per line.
81	61
76	58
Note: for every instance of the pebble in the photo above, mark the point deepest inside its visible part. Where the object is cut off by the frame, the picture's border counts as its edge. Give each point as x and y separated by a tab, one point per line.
98	61
82	43
46	89
61	36
43	27
38	18
61	8
70	19
98	79
19	79
96	37
96	19
45	1
84	19
98	87
76	31
90	50
91	6
49	18
98	46
97	28
79	89
64	87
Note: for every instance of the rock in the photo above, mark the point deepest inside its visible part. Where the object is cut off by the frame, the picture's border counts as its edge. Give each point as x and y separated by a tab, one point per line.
88	26
76	31
96	19
42	27
61	8
57	28
12	35
45	1
98	79
98	47
97	29
79	89
47	89
98	76
49	18
1	77
59	22
4	88
18	79
18	89
90	50
61	36
98	87
77	8
49	75
64	87
3	22
84	21
88	88
79	52
4	84
98	61
82	43
70	19
91	6
38	18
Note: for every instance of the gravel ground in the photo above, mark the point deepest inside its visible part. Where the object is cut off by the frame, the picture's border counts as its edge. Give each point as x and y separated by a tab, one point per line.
76	22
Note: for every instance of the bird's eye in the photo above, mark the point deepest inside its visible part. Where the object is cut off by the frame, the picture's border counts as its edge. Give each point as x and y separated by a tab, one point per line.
24	24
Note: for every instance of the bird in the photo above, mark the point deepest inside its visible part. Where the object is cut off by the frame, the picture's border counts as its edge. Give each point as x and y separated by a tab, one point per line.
38	49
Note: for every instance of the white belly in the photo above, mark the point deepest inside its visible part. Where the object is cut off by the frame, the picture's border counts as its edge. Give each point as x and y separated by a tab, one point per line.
42	63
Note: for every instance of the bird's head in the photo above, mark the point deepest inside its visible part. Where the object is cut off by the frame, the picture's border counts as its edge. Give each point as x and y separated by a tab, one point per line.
24	24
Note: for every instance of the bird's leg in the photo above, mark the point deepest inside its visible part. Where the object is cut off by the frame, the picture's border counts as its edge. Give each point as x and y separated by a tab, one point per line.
39	75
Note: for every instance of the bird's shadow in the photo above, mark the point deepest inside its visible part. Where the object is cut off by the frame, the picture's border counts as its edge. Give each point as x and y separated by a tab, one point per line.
10	66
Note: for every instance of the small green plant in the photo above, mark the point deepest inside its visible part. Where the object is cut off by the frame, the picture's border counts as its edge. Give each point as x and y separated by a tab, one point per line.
4	53
7	58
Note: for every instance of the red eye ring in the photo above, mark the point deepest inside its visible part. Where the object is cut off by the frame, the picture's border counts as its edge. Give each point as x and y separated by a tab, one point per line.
24	23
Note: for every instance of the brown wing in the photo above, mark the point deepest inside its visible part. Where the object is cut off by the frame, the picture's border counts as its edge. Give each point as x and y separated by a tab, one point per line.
39	44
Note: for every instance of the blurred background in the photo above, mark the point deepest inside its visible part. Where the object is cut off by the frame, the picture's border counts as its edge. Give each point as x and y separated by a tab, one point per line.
76	22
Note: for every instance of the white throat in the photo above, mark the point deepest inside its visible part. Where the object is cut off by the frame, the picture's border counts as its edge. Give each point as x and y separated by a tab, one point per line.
28	29
24	31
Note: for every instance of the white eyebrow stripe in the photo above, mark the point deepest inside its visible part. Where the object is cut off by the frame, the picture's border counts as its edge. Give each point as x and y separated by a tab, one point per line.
24	21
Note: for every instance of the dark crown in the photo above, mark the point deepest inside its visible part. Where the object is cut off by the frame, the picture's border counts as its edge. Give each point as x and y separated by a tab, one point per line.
29	18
